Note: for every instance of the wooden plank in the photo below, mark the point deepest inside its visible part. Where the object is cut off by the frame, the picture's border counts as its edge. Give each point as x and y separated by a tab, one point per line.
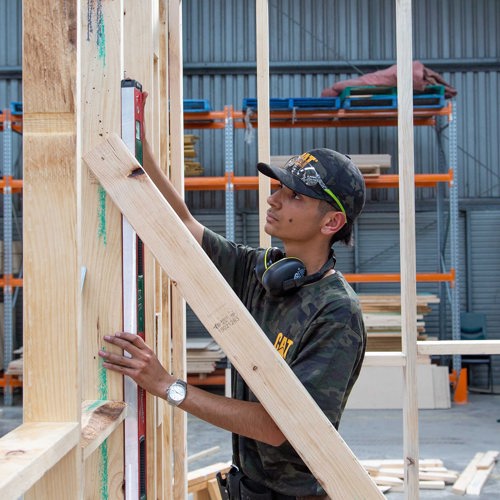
263	118
460	485
458	347
478	479
101	70
399	462
213	490
99	420
28	452
404	58
384	359
228	321
489	458
165	456
51	314
197	479
177	306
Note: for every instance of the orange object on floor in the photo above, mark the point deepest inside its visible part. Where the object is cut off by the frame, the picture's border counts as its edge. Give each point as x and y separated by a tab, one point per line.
461	392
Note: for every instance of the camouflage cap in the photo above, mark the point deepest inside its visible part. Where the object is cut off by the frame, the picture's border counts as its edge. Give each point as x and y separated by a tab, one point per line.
323	174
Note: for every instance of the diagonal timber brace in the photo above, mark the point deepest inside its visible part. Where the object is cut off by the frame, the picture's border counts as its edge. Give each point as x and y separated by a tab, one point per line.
229	323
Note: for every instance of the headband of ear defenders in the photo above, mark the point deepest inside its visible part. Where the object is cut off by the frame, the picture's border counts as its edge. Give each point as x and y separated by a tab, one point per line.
281	275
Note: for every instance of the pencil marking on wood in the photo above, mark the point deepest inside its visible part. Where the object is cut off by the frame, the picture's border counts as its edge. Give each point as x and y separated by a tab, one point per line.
100	29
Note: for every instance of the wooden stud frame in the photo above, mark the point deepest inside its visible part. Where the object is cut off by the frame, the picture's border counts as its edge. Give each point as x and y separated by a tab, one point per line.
75	55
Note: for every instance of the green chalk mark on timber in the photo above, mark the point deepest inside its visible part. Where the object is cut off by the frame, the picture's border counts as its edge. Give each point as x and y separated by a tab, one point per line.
103	467
104	470
101	212
101	34
103	380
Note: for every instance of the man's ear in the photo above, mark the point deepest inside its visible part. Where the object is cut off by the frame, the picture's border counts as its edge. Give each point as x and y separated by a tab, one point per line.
333	222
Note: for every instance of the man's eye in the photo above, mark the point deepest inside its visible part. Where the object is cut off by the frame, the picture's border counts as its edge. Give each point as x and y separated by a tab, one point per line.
295	195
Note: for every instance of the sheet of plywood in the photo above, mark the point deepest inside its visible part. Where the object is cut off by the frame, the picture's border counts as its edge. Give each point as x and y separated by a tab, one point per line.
230	323
381	387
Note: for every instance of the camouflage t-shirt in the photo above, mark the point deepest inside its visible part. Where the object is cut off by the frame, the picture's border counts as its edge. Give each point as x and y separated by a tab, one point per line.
319	332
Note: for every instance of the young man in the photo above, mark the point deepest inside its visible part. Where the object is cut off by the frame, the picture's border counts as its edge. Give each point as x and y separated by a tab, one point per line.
305	307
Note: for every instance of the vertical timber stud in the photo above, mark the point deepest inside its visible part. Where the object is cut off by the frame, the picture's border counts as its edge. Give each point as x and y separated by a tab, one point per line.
231	325
52	329
101	69
263	116
164	339
178	306
138	55
407	243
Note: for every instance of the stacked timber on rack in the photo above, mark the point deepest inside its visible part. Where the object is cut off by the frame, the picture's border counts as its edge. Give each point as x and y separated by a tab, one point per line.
371	165
192	167
202	355
382	315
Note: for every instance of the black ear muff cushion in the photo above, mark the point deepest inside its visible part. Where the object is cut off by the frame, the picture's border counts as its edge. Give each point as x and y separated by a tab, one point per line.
276	275
266	259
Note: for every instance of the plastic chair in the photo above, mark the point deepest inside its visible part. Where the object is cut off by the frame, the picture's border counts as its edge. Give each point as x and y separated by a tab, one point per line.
473	327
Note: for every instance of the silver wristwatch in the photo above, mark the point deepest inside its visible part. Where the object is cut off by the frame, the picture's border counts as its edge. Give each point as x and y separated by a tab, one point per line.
176	393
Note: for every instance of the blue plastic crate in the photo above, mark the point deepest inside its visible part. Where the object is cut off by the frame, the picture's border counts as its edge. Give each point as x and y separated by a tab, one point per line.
428	101
431	90
315	103
367	90
197	105
275	103
16	108
371	102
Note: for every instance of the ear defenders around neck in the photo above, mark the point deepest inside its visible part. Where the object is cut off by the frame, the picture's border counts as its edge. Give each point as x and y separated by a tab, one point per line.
281	275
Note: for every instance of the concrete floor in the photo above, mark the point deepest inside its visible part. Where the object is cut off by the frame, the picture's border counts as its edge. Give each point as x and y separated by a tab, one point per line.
453	435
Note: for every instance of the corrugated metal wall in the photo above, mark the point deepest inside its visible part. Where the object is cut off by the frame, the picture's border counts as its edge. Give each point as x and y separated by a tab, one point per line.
316	43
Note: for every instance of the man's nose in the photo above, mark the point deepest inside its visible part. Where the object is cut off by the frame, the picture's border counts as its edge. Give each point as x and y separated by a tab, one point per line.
273	198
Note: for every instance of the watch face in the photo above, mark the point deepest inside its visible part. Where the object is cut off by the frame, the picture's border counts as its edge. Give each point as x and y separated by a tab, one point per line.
177	392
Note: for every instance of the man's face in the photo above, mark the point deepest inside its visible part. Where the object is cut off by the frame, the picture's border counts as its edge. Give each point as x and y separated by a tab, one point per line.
292	217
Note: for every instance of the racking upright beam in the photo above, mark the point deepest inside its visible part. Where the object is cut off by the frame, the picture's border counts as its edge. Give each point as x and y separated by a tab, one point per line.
8	330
